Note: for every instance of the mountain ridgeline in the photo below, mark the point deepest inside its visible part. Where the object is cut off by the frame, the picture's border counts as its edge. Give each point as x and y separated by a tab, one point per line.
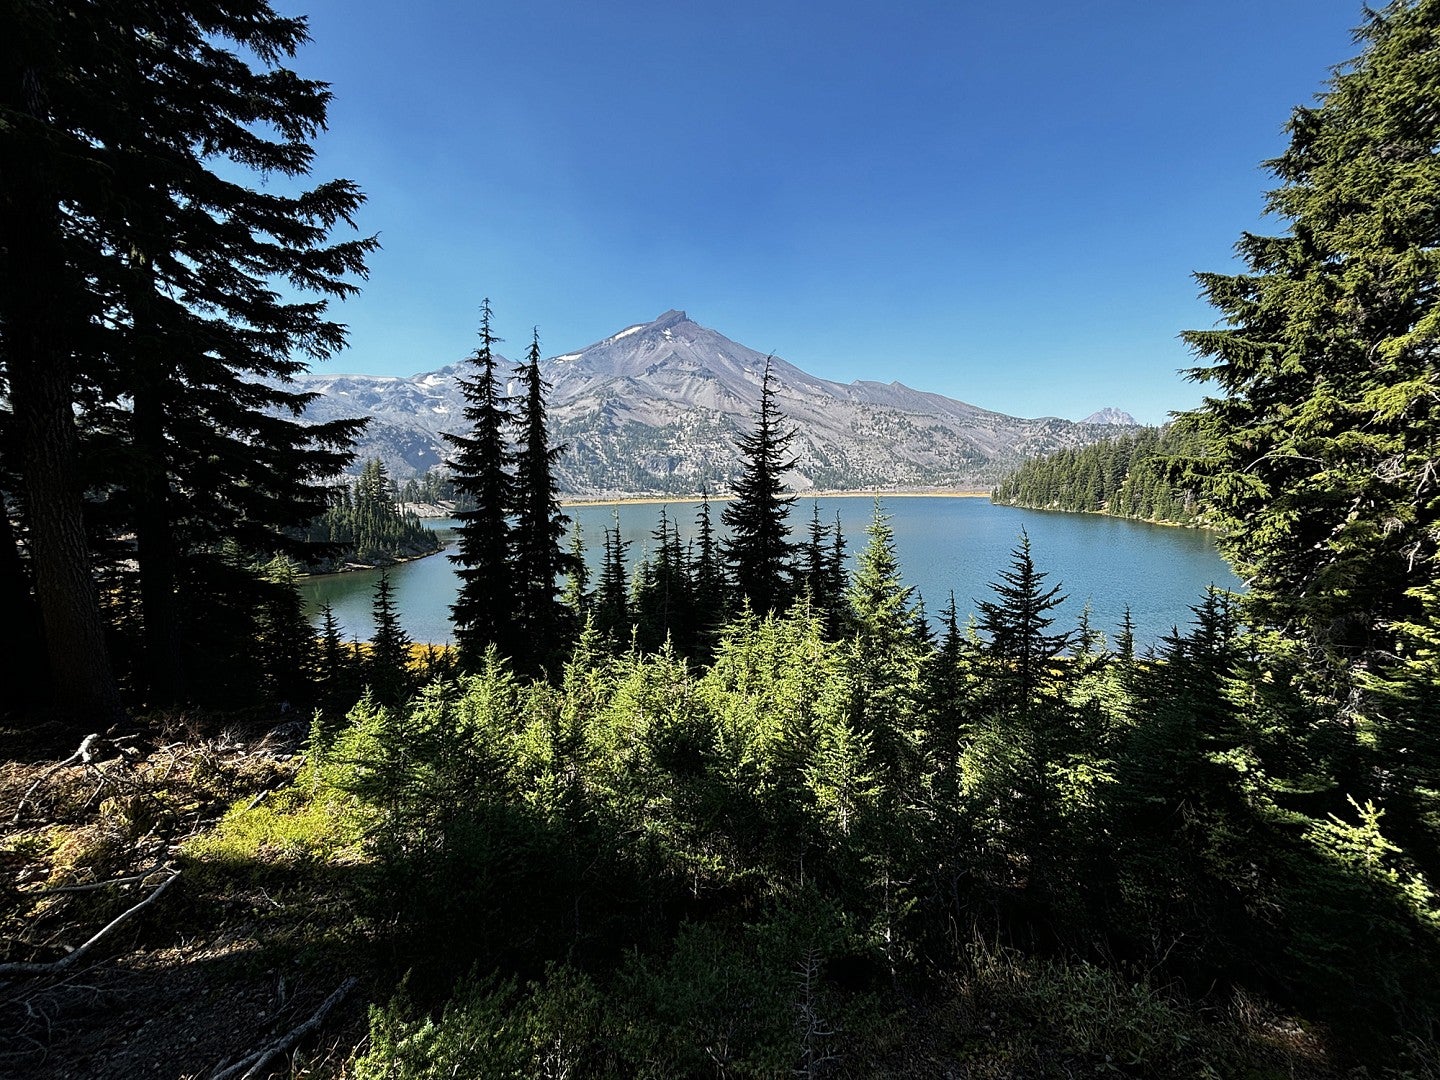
658	407
1126	476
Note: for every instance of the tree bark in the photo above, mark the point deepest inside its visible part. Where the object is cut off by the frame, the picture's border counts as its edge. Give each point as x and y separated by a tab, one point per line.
39	320
22	662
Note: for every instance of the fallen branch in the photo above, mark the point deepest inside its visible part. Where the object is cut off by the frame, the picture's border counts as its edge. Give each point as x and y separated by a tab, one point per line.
57	966
258	1060
85	754
157	866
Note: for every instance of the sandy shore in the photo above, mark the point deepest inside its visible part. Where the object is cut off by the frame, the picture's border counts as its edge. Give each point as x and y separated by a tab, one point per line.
801	496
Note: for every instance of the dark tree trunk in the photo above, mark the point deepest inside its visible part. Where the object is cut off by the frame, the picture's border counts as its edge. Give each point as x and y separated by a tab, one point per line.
60	558
37	322
22	661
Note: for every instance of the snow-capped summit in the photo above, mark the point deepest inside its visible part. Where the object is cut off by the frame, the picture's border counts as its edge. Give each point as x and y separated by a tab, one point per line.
657	407
1114	417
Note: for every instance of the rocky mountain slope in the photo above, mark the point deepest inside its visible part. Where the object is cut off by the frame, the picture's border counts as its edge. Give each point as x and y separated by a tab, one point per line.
1116	417
656	408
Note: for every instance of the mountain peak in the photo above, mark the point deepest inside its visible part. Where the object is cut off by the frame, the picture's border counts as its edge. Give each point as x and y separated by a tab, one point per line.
669	319
657	407
1117	417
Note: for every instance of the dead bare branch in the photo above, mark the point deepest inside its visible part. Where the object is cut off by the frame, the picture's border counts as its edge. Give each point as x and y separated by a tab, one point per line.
258	1060
57	966
157	866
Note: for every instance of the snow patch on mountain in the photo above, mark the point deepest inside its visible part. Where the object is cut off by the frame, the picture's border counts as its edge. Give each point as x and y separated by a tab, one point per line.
1114	417
658	407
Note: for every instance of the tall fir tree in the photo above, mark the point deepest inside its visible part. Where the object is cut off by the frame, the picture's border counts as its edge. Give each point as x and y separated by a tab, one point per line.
709	595
286	643
1019	640
612	601
484	609
1025	733
387	667
337	665
815	571
758	551
1319	448
575	597
537	557
162	295
661	598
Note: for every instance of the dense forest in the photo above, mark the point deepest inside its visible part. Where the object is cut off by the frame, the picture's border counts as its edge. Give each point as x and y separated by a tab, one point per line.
365	524
432	489
729	810
1127	476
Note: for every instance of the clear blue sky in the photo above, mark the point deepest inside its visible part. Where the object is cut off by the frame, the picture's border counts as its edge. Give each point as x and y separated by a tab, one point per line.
1002	203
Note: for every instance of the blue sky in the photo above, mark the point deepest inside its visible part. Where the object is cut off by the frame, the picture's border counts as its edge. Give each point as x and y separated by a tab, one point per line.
1002	203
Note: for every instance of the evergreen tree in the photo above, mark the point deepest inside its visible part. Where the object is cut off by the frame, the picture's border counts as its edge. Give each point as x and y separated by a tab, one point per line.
1025	734
337	681
483	612
1017	625
286	644
156	287
1319	450
661	603
810	572
816	573
945	694
710	605
387	668
612	603
838	576
575	598
758	549
537	557
1125	642
888	656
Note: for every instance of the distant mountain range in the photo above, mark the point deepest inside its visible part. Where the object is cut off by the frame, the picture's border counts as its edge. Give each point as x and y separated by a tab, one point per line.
656	409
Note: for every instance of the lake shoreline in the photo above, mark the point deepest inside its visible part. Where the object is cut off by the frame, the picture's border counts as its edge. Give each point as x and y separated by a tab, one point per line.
943	544
432	512
356	567
800	496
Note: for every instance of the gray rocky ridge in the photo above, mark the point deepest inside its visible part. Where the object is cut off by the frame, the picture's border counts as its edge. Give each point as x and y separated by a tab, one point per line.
1116	417
656	408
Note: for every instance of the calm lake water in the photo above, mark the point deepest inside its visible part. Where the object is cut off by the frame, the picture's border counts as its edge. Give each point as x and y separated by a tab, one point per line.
944	544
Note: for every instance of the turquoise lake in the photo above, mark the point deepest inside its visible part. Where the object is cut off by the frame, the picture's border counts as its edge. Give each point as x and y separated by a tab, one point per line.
944	544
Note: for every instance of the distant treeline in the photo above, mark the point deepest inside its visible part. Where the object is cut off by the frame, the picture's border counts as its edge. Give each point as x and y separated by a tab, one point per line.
1126	476
364	524
435	488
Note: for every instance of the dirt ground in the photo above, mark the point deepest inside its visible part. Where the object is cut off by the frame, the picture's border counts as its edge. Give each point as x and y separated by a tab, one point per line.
196	980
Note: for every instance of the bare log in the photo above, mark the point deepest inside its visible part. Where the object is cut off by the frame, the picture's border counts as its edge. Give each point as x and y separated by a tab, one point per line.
57	966
258	1060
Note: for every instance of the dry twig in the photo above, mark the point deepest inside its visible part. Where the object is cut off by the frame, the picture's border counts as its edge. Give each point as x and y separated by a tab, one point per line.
128	879
258	1060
